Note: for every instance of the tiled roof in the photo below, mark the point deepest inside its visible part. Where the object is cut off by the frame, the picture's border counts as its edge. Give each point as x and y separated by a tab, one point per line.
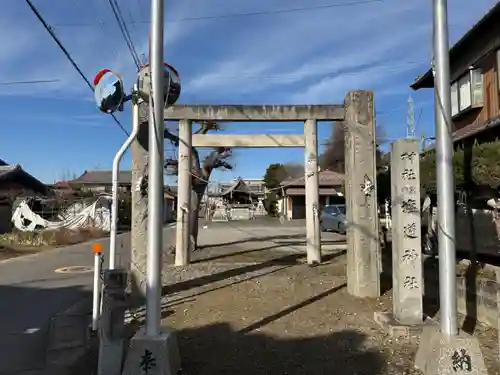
103	178
476	128
62	185
325	178
240	186
302	191
8	172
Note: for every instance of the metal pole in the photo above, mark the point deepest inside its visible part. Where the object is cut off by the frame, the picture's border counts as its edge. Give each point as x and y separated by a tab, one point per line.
155	184
114	188
444	172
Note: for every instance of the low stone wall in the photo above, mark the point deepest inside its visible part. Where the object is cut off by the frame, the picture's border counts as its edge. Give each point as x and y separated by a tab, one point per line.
485	301
241	213
480	304
479	230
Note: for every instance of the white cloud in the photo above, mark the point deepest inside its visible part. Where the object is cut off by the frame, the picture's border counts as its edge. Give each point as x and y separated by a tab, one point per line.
92	38
65	120
288	50
298	46
272	53
333	89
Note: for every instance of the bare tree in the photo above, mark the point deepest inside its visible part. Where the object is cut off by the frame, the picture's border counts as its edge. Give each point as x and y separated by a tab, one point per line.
294	170
201	171
333	158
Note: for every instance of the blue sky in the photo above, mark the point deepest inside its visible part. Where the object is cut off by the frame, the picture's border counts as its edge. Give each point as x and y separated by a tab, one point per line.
300	57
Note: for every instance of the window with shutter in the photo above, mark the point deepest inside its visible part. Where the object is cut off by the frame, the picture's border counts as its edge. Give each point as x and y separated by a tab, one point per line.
464	92
454	99
476	86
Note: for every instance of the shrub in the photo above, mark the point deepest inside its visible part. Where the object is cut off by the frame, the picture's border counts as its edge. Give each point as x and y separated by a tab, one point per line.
483	169
60	237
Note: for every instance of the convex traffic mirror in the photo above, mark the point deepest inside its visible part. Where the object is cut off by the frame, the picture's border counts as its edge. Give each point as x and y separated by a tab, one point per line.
109	92
171	84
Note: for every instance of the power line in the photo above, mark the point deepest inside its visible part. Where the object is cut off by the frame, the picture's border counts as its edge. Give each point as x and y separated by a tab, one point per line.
102	25
29	82
277	11
68	56
135	27
246	14
392	67
124	30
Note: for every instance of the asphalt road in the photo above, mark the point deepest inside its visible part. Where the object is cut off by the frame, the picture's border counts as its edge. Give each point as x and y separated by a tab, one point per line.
32	292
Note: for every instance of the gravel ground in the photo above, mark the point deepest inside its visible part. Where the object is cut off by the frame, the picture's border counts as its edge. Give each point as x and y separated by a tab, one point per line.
283	319
247	309
278	317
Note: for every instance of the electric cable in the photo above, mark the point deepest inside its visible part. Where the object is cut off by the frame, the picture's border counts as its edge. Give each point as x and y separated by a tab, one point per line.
68	56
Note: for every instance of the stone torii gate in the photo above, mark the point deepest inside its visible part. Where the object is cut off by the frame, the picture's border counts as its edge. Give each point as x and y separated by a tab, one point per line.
357	112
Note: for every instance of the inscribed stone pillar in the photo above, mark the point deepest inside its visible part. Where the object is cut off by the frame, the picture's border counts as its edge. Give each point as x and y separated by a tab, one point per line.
363	246
406	233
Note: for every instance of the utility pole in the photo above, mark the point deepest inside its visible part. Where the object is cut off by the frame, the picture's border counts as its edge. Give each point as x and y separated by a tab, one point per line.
410	119
154	346
446	349
155	183
444	172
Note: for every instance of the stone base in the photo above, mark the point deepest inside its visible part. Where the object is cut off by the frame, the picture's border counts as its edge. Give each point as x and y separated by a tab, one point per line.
440	354
153	355
110	357
396	329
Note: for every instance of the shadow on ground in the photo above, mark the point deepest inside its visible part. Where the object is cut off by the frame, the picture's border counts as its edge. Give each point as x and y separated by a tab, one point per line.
218	349
285	261
33	317
292	239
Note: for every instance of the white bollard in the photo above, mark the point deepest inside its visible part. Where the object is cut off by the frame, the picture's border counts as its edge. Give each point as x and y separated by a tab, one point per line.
96	301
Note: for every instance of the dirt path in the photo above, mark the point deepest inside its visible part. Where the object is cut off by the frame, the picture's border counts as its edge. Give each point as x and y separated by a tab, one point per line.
285	318
248	306
282	318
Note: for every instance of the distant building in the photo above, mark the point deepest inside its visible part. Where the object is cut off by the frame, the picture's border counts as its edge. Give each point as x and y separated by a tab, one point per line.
255	186
101	182
237	193
16	182
292	194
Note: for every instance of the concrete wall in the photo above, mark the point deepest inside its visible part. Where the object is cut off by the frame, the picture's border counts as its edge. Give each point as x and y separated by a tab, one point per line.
241	213
479	231
480	304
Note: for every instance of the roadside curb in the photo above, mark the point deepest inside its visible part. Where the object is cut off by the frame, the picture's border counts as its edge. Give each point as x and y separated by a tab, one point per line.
69	338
